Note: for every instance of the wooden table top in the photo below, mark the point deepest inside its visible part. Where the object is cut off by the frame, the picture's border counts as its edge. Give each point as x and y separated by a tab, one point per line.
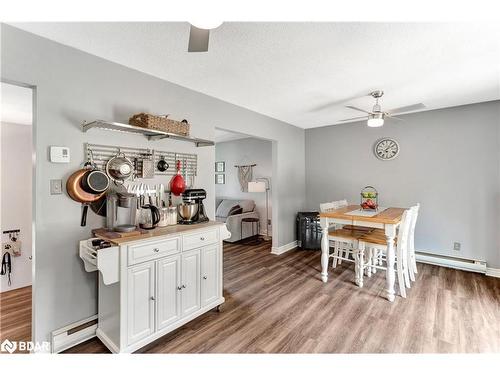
391	215
162	231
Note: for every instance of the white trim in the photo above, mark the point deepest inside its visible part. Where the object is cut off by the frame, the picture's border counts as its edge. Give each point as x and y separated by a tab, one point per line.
60	340
452	262
493	272
278	250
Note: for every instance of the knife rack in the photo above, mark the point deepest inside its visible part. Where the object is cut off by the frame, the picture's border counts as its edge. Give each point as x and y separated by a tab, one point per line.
102	153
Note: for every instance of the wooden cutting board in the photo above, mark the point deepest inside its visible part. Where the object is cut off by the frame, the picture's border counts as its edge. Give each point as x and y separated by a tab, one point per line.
106	234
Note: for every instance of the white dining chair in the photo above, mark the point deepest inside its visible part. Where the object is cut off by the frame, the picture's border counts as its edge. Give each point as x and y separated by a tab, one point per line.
374	246
412	260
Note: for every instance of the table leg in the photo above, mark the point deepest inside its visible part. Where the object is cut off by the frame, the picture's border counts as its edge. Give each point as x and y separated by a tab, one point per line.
325	251
390	234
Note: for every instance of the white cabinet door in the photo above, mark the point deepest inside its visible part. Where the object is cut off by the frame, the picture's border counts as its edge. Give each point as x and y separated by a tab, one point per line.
209	274
190	280
140	301
168	304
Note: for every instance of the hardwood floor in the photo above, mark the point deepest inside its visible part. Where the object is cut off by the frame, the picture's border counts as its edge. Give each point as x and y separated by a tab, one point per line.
277	304
15	315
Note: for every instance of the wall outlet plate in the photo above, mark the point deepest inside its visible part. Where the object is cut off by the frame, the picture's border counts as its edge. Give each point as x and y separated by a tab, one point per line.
457	246
56	187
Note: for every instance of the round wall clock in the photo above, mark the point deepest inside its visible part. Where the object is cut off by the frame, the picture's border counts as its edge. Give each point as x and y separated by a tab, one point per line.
386	149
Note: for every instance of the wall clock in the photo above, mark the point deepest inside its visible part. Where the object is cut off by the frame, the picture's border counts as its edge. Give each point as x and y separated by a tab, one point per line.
386	149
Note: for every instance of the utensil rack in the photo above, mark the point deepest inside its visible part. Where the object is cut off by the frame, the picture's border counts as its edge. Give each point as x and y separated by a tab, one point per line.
100	154
150	134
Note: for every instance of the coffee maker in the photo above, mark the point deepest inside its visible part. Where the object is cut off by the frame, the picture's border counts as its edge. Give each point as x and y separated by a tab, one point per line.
121	212
192	210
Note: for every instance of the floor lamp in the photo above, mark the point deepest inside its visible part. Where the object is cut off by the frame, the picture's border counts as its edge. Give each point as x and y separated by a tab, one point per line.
261	185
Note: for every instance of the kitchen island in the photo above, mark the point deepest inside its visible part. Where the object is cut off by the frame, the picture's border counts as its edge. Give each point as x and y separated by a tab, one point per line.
155	282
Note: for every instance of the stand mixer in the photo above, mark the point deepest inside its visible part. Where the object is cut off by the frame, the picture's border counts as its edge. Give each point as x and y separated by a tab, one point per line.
192	210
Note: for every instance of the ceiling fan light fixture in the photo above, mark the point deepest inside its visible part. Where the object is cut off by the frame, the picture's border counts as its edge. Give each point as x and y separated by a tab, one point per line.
375	120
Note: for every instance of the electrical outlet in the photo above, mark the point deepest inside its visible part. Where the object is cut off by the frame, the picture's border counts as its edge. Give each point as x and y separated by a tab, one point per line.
456	246
55	187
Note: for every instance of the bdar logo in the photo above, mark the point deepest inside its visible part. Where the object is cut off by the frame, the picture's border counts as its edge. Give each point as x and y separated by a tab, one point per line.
8	346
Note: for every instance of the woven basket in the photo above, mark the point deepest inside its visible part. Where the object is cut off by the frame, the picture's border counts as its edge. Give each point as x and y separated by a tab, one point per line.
162	123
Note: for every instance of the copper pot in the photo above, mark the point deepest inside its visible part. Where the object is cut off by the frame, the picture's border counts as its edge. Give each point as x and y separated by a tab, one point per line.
75	189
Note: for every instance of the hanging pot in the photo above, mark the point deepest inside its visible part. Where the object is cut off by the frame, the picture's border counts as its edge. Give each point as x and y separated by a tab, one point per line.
76	189
119	168
177	183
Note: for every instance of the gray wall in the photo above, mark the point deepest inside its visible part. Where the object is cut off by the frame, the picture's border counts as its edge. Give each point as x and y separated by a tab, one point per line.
243	152
73	86
449	162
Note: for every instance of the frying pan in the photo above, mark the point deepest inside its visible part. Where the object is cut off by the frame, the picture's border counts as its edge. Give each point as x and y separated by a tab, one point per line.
85	186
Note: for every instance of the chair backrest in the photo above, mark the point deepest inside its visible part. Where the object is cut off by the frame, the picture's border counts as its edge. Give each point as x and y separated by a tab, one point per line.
411	232
341	203
404	229
326	207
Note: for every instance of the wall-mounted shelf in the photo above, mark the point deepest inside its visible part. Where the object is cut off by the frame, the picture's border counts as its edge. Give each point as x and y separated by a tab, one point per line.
150	134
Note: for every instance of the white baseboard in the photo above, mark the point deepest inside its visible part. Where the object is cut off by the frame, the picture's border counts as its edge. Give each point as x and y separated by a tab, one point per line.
493	272
452	262
62	340
278	250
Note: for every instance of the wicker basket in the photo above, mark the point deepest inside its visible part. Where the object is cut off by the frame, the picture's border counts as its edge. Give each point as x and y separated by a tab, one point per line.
162	123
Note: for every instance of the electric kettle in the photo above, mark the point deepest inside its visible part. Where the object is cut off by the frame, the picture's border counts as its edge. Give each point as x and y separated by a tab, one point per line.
149	217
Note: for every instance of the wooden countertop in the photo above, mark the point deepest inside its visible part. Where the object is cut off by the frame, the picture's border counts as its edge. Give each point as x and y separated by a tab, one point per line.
391	215
163	231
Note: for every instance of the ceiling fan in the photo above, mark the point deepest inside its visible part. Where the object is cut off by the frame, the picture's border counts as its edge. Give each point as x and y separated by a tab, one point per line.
199	35
376	116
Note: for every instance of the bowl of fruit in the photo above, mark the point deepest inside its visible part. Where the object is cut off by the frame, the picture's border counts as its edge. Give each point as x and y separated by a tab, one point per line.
369	198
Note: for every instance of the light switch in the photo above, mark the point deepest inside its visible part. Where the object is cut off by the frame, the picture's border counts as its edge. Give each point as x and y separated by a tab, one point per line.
55	187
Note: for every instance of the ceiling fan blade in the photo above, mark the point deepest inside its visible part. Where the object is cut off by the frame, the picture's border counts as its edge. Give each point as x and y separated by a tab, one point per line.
198	39
407	108
357	109
353	118
395	118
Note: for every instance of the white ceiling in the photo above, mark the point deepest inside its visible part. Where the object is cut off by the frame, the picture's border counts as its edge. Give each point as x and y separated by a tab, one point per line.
226	136
16	104
293	71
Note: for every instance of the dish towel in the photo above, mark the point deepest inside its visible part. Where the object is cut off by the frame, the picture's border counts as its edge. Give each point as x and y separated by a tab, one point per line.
244	176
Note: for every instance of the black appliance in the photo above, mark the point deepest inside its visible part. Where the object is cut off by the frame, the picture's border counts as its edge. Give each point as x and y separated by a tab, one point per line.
195	196
308	230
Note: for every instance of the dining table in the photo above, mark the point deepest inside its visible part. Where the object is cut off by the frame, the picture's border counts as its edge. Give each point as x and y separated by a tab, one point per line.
386	218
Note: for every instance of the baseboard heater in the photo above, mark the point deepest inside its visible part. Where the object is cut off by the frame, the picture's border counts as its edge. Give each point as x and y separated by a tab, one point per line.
452	262
73	334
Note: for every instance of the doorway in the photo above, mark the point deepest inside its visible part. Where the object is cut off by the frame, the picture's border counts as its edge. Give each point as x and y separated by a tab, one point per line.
244	186
16	215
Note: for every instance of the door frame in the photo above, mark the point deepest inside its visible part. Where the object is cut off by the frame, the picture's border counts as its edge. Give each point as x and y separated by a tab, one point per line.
33	190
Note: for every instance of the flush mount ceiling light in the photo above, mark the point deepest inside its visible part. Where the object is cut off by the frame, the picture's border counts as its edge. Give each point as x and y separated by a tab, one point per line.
376	116
199	34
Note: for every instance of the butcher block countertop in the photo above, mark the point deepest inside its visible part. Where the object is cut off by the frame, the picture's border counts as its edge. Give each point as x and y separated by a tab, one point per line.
163	231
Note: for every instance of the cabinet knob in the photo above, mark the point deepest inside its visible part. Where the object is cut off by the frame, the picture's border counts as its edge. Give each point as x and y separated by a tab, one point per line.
204	277
183	286
156	250
179	287
152	298
202	238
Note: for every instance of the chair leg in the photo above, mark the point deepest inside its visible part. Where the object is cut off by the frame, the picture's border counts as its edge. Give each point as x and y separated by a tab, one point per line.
334	263
369	261
409	265
360	267
339	251
404	265
401	278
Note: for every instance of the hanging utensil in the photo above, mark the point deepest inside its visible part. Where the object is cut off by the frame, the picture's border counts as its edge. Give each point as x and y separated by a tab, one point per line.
119	168
162	165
